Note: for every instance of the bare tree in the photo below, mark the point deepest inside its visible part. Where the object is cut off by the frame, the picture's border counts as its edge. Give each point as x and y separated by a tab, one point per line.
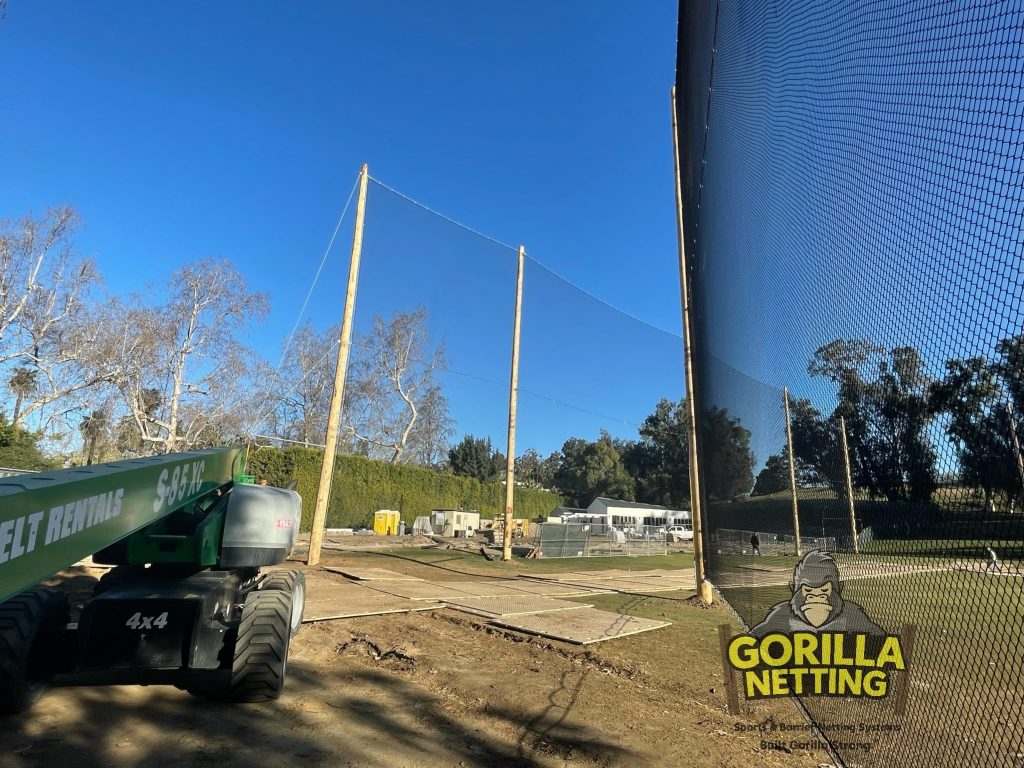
303	385
435	428
394	408
182	374
47	332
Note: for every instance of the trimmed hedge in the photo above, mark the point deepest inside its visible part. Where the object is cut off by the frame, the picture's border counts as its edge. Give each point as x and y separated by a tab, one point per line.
362	486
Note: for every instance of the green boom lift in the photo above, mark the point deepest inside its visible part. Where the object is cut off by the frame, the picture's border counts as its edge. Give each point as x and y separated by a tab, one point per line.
186	603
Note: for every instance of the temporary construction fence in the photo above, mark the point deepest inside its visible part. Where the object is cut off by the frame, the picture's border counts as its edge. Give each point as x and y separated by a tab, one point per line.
597	540
727	541
852	182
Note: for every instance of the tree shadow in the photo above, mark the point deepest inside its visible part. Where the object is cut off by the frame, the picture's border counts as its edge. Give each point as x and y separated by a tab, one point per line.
348	716
435	733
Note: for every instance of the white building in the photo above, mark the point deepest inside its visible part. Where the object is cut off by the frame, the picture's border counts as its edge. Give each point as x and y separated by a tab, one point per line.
633	515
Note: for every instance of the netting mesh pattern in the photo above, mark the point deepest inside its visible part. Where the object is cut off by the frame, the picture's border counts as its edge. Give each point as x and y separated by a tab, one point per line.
853	197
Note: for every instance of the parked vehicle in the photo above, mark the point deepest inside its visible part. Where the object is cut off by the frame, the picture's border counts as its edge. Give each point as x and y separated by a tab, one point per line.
679	533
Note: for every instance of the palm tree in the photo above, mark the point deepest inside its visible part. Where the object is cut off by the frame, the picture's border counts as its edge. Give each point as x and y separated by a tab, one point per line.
21	383
92	427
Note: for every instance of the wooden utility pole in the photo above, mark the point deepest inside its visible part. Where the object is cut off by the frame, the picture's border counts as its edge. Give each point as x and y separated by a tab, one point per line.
323	493
513	395
1016	443
849	484
792	472
703	587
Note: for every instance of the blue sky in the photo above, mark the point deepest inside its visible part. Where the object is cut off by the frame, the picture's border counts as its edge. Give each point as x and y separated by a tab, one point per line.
236	129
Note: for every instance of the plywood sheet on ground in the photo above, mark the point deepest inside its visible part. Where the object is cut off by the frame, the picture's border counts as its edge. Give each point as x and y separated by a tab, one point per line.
684	580
613	575
371	574
653	585
359	602
418	590
662	584
581	627
591	586
768	568
329	596
668	573
494	607
552	588
485	588
602	575
657	573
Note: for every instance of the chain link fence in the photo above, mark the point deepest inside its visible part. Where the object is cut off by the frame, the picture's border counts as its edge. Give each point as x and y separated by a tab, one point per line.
602	540
853	193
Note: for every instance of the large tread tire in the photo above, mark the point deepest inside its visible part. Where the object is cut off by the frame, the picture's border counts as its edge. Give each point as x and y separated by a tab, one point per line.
23	619
294	583
261	648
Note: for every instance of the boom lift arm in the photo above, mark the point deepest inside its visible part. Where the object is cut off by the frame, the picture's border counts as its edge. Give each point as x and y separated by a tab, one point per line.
185	606
51	520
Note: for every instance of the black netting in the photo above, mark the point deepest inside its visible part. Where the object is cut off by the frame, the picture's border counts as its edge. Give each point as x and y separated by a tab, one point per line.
853	201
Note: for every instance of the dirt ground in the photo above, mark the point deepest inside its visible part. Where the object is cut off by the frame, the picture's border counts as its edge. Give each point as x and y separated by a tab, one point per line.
436	688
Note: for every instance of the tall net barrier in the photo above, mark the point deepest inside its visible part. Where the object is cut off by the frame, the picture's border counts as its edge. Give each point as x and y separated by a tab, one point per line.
425	419
853	197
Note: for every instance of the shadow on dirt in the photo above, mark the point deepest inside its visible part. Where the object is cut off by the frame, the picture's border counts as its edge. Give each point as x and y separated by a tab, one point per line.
355	717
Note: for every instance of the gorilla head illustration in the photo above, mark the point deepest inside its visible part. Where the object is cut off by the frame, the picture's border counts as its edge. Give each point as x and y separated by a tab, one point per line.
817	603
817	590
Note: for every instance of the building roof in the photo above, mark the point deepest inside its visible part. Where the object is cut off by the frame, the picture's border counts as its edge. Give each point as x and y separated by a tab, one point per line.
562	511
634	504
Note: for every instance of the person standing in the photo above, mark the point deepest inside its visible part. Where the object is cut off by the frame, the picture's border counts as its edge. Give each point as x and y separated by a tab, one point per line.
755	544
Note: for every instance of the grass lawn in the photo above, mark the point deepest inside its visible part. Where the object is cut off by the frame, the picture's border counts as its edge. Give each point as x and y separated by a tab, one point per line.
968	657
458	561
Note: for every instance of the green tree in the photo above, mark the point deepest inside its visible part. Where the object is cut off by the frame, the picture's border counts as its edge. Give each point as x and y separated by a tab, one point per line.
93	427
533	471
22	384
659	461
973	396
587	470
816	446
885	397
19	448
775	475
773	478
728	462
475	457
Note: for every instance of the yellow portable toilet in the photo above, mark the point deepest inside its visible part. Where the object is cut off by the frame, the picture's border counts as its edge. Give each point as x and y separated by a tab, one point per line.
385	522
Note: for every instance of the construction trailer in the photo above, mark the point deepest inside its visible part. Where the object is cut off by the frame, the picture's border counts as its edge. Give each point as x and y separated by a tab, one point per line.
455	523
185	603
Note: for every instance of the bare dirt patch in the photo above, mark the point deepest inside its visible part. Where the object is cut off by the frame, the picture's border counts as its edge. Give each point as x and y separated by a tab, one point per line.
440	688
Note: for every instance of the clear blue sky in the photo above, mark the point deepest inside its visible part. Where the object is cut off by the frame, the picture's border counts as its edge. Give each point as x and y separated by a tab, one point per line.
189	129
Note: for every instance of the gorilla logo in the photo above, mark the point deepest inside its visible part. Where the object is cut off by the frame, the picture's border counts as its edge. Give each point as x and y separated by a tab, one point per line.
817	604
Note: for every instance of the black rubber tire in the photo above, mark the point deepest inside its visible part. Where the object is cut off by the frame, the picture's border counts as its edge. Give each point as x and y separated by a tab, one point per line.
261	648
24	619
293	582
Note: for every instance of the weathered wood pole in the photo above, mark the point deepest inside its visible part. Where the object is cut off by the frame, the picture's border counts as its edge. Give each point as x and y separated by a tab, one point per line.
323	493
513	396
696	510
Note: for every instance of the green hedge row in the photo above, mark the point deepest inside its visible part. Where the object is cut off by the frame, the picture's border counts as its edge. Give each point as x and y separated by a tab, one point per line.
362	486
